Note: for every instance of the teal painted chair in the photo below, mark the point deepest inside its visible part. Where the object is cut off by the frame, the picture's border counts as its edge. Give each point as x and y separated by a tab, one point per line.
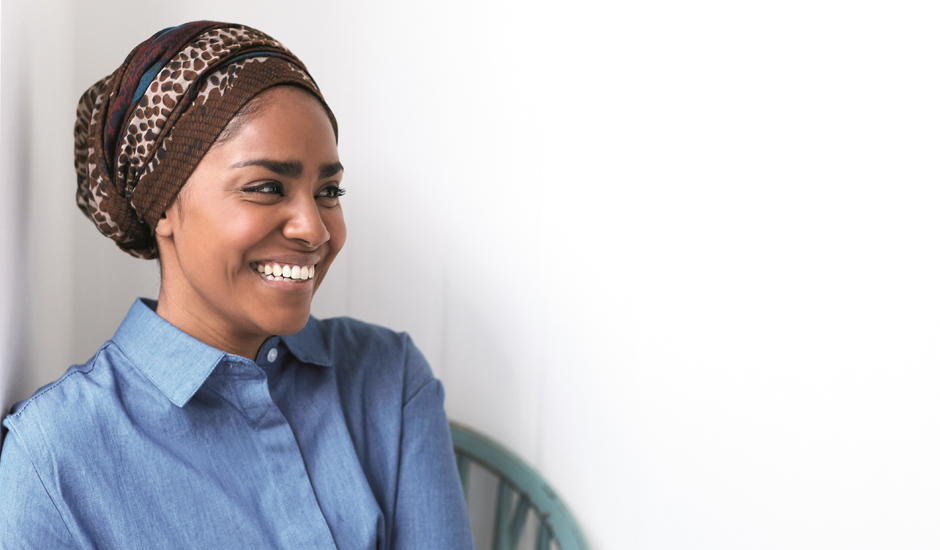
532	493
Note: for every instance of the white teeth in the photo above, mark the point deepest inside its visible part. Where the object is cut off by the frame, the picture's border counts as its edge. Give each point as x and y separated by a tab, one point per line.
277	272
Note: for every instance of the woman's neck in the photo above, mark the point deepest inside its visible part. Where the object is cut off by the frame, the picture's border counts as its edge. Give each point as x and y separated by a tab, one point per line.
199	325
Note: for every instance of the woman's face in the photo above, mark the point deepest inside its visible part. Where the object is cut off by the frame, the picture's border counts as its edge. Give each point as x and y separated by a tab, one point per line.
265	198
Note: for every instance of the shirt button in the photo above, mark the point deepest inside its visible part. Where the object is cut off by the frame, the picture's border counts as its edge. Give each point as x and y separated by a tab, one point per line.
272	355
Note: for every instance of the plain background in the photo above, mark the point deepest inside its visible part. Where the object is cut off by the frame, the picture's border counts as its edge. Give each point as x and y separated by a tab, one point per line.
682	256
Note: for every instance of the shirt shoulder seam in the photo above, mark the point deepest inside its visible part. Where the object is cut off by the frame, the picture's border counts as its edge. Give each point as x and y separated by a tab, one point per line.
418	391
50	387
408	350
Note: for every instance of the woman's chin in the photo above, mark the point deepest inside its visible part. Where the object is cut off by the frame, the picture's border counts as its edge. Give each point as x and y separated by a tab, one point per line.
290	324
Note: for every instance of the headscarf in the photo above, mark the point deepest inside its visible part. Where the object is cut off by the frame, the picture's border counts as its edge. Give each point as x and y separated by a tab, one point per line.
141	131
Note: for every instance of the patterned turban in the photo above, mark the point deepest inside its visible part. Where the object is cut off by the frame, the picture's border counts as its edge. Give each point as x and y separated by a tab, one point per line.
141	131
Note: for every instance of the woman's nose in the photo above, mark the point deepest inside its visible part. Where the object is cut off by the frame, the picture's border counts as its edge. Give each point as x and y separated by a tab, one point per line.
305	223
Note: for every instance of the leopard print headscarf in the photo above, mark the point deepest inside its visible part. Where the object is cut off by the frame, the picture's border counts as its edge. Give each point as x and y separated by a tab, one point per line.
141	131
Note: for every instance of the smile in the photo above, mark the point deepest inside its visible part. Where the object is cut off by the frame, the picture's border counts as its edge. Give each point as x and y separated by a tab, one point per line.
290	273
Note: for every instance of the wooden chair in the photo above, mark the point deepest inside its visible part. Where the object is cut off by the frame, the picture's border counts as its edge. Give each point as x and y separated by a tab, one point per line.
555	522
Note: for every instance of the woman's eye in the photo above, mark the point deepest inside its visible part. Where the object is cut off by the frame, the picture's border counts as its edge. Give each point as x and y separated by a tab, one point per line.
331	192
267	188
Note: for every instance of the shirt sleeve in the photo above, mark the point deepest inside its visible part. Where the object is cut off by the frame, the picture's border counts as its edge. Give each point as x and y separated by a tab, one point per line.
430	511
28	517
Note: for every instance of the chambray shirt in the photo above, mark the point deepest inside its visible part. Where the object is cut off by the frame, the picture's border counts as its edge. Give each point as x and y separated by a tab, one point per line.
333	438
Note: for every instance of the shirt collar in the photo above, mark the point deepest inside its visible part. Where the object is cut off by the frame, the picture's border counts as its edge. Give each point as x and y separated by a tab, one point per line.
174	361
179	364
310	345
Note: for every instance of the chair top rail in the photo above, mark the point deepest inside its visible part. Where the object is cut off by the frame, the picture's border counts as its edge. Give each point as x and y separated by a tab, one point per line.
506	464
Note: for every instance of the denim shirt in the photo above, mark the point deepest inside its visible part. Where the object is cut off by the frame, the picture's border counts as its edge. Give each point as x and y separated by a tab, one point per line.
333	438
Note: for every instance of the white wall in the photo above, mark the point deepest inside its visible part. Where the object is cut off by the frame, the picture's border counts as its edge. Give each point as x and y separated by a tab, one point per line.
682	257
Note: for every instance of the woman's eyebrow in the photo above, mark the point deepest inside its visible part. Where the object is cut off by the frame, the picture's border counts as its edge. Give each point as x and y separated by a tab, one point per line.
289	168
330	169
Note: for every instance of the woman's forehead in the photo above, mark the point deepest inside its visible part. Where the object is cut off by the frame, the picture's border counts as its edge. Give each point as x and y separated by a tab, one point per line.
290	137
282	116
284	95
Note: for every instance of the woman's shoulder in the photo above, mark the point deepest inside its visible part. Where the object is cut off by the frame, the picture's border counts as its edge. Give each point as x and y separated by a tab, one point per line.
72	398
350	331
358	348
338	337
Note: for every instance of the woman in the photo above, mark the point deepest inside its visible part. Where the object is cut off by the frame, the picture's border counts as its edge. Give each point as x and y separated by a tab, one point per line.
223	415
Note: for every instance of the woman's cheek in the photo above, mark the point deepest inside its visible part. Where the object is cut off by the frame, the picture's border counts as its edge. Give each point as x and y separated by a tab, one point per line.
337	227
245	229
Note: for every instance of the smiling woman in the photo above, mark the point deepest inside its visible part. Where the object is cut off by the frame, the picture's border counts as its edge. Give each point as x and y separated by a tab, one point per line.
270	197
223	415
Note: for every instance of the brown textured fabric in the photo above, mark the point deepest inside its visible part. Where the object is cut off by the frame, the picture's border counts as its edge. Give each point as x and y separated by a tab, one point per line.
165	133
